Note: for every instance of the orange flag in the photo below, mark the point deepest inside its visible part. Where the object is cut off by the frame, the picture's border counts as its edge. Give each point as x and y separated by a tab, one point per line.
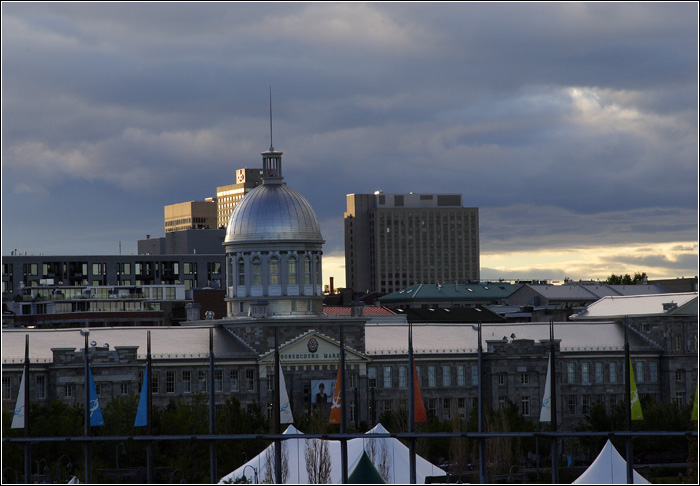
418	405
335	406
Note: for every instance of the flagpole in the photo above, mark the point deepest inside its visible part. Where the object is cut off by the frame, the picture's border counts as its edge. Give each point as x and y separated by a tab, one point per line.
149	415
88	444
343	442
553	401
411	409
628	406
28	445
212	410
276	412
480	405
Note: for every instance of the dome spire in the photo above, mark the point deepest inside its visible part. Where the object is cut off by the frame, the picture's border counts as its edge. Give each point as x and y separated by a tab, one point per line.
272	149
272	159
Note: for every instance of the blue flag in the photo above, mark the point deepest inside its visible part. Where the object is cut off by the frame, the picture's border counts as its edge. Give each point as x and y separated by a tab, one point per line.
95	410
142	411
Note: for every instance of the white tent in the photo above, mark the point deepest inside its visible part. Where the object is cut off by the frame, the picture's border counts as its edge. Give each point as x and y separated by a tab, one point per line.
388	455
609	468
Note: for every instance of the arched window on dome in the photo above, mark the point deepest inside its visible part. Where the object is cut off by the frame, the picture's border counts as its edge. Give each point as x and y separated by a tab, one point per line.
257	271
317	262
241	271
274	270
292	270
307	270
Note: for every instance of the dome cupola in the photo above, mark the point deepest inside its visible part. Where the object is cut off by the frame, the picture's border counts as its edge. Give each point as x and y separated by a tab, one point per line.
273	250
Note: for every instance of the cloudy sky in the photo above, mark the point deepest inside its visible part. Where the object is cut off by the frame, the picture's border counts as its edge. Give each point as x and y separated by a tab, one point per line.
572	127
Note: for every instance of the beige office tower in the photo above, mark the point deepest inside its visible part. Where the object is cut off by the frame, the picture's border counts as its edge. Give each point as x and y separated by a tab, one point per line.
393	241
190	215
228	196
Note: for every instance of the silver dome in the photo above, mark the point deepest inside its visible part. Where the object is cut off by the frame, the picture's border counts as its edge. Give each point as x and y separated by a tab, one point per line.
273	212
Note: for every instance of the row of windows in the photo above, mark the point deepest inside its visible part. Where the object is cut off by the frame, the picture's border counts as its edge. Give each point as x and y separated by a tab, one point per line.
273	270
588	373
161	382
463	375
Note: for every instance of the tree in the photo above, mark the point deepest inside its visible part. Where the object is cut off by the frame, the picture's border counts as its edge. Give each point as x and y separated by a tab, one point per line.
626	279
318	461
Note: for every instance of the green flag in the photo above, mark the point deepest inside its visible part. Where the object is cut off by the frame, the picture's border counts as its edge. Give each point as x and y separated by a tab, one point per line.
634	397
695	404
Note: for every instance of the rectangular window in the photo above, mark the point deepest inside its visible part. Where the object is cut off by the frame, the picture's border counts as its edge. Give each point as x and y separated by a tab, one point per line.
680	375
586	404
40	382
202	381
155	382
653	371
446	376
462	407
218	380
432	408
387	377
353	381
432	379
501	402
524	378
372	376
612	371
403	377
501	379
475	375
572	404
571	372
270	382
7	388
598	378
233	375
461	380
250	379
187	382
446	409
585	373
639	372
125	388
524	406
70	390
169	382
680	398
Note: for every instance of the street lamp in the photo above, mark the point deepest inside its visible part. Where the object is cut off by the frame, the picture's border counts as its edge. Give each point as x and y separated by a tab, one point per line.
69	466
5	478
38	465
255	474
116	458
172	474
511	478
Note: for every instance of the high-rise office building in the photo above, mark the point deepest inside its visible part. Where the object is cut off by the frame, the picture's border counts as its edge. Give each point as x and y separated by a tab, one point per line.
393	241
228	196
190	215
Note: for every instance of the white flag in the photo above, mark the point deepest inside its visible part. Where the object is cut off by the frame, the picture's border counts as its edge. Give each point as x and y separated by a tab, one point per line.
285	407
546	410
18	416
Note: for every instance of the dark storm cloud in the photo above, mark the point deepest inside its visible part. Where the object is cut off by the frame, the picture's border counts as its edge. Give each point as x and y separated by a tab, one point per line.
568	124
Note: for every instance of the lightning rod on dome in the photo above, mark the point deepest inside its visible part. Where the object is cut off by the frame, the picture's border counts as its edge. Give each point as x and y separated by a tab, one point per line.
271	147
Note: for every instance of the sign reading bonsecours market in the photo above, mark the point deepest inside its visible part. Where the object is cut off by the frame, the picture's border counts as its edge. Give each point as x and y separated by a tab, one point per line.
312	348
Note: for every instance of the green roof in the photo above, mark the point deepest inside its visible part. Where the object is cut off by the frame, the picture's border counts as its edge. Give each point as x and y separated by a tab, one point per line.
451	314
364	472
491	292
